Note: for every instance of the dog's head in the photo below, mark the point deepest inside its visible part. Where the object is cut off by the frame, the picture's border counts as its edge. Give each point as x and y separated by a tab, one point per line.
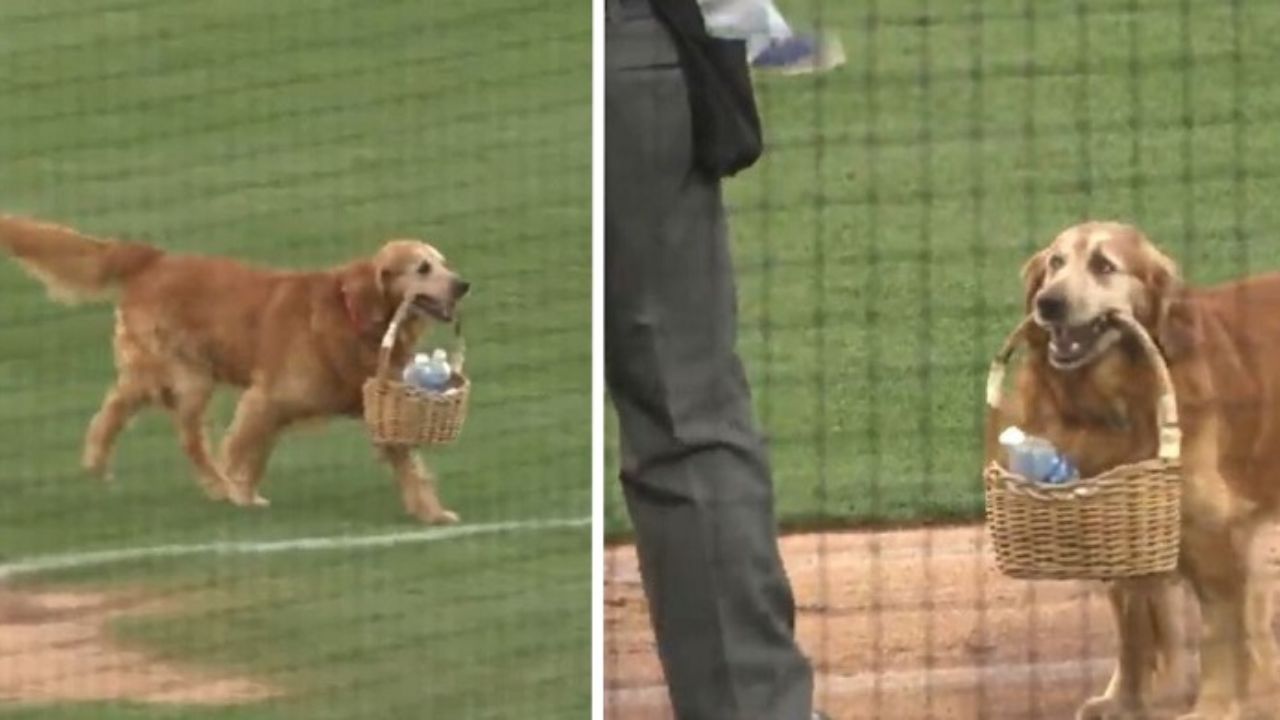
415	271
402	270
1091	272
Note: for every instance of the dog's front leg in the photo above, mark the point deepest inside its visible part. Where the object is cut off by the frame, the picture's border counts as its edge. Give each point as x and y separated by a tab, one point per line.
1265	688
1214	560
1151	650
417	486
1218	530
248	445
1224	660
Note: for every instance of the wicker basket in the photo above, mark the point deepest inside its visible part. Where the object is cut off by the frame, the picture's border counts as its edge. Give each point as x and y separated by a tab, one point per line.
1123	523
401	414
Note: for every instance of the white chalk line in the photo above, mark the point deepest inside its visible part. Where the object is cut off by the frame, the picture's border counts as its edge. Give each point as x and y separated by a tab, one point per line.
914	680
69	561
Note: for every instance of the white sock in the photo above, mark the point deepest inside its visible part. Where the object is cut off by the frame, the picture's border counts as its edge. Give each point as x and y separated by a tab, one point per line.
756	21
778	29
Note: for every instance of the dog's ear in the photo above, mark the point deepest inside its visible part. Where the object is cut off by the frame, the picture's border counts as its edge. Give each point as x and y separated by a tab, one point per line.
1173	322
363	294
1033	273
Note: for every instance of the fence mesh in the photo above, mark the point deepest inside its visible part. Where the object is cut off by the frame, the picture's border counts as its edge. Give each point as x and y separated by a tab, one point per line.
879	244
300	135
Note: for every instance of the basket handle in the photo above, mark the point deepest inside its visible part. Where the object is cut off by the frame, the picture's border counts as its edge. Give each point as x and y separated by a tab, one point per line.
458	361
1170	433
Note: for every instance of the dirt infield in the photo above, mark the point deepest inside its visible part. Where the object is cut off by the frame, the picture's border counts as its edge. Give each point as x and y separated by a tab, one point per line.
905	625
56	647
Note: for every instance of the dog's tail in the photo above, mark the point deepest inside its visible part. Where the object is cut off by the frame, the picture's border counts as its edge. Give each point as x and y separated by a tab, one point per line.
73	267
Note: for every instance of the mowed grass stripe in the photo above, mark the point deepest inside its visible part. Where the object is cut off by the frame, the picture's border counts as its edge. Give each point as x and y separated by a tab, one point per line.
903	191
300	134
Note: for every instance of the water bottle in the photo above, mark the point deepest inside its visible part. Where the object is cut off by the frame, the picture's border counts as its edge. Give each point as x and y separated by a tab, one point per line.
413	371
429	372
1036	458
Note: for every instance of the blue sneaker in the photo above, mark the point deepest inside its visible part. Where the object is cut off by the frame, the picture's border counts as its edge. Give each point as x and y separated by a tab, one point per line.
800	54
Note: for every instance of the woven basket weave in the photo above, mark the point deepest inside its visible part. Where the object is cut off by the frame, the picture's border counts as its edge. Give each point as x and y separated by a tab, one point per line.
397	413
1123	523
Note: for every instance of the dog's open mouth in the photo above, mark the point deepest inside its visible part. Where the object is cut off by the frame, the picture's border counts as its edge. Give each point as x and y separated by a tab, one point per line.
437	309
1071	346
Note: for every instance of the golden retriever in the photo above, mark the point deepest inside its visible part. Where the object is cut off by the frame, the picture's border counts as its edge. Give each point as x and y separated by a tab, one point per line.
1089	389
300	344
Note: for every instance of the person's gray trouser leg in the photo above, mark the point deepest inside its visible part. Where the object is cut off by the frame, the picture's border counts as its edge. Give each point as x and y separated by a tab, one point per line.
695	475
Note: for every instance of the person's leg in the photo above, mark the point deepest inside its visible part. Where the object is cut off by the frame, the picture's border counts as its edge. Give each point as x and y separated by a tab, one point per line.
696	479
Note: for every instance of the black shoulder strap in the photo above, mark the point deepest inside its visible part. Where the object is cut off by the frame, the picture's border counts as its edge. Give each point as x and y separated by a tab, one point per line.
683	17
726	124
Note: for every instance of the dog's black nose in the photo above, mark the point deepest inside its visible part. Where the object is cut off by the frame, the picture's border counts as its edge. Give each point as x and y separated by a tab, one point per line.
1052	308
460	288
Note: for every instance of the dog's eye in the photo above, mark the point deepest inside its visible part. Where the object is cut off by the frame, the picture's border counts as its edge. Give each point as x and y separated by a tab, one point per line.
1056	262
424	268
1103	266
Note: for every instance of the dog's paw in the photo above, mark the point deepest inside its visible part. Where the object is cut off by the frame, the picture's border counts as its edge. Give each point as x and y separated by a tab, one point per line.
216	492
244	497
97	471
1108	708
445	517
441	517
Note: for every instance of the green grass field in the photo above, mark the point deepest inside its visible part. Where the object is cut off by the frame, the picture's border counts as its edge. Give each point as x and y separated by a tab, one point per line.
879	241
303	133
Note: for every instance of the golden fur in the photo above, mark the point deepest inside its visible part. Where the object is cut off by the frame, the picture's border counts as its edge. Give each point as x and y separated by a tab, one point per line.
301	344
1222	345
